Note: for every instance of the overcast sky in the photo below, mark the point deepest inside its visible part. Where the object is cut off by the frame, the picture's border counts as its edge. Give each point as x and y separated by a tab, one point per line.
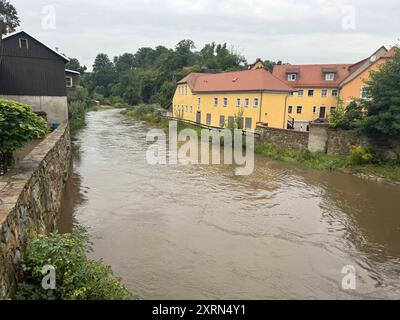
295	31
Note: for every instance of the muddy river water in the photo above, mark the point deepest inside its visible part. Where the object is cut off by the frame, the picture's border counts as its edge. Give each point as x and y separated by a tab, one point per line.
200	232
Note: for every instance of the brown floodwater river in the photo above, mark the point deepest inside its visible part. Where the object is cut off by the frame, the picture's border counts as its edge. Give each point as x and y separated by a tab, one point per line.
200	232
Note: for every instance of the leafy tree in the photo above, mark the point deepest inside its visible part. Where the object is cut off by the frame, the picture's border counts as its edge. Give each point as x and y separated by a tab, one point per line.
124	62
383	103
8	17
346	118
104	74
75	65
18	124
269	65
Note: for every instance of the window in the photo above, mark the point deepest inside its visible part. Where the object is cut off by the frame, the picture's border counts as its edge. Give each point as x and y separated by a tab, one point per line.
314	109
246	102
68	82
363	93
292	77
291	93
23	43
299	109
311	93
222	121
248	123
225	102
324	93
301	93
290	109
191	109
198	101
208	119
238	102
256	103
329	76
335	93
215	102
333	109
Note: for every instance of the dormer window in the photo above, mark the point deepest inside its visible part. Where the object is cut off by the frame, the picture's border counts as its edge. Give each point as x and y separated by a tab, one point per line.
292	77
23	43
329	76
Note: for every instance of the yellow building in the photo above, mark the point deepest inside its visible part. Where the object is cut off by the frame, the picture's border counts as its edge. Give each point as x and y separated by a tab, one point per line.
353	87
220	100
289	98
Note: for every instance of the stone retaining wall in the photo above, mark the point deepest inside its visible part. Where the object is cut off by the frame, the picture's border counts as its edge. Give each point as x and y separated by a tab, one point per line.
288	139
30	199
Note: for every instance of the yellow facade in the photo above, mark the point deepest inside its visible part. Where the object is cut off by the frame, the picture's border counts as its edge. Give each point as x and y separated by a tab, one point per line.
353	89
215	109
303	107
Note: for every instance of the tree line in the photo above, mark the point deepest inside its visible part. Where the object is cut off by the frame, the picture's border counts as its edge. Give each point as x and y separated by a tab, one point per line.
150	74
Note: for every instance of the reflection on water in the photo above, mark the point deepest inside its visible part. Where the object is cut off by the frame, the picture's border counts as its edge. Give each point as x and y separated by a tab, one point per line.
191	232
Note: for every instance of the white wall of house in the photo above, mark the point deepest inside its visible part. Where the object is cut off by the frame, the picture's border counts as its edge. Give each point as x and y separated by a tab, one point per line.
56	108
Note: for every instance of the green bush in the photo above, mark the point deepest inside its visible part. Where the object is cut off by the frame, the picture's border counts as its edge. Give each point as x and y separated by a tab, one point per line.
78	109
18	125
77	278
360	155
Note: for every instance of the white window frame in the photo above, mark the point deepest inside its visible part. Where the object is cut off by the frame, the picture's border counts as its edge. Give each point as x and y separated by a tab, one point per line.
324	93
216	102
198	101
315	109
20	43
290	109
337	93
292	77
302	93
238	102
330	76
297	109
71	81
225	102
363	93
256	103
309	91
247	102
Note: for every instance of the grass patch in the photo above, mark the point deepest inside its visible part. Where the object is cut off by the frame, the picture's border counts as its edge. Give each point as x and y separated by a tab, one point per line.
387	170
317	161
78	110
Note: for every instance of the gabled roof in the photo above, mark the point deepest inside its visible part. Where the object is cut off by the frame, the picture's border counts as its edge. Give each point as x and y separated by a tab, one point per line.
248	80
360	67
11	35
312	75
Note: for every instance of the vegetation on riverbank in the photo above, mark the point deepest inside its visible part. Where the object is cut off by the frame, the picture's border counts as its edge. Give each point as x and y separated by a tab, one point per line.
361	160
76	276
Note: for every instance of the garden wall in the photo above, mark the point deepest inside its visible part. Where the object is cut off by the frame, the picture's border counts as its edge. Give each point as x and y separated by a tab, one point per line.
31	199
323	139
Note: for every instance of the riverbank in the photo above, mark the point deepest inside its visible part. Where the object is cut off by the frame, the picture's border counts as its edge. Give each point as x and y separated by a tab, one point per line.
379	171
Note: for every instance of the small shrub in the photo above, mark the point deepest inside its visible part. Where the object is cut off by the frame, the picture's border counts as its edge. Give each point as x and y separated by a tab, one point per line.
77	278
361	155
78	109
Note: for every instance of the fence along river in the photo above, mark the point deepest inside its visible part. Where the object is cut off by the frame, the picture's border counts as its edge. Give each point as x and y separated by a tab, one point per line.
200	232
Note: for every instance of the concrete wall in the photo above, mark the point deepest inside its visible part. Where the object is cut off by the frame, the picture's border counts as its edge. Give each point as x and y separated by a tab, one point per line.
55	107
31	199
289	139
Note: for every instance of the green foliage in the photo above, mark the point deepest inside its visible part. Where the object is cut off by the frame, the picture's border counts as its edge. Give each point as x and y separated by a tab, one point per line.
75	65
346	118
18	125
360	155
78	109
77	278
383	105
317	161
9	15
